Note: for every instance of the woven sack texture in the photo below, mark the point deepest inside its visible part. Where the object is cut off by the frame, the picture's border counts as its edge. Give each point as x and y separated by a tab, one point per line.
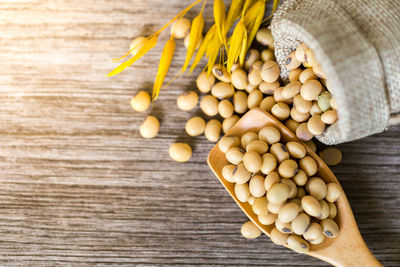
357	43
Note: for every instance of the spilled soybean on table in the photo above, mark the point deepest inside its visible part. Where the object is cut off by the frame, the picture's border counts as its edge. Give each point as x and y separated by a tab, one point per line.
79	186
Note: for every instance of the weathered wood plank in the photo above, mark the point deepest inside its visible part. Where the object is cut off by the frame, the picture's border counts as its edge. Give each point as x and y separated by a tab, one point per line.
80	187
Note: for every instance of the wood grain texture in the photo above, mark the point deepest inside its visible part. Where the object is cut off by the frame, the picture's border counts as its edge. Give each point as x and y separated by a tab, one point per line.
80	187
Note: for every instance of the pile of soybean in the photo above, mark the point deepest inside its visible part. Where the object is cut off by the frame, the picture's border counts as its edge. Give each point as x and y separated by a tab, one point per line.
279	180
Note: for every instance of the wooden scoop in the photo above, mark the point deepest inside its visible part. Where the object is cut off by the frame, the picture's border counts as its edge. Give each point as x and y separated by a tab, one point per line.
348	248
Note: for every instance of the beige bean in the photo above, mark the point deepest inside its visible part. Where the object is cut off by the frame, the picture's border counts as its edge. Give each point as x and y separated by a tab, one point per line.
308	165
332	210
281	111
300	223
275	207
267	54
254	99
227	172
235	66
315	125
265	37
260	206
252	161
258	146
213	130
311	206
298	244
235	155
254	75
317	188
187	40
288	168
221	73
267	219
282	227
271	179
187	101
141	101
297	201
301	104
240	102
310	57
311	145
229	122
250	87
291	89
319	71
324	210
239	79
256	186
317	241
250	231
195	126
267	103
268	163
310	89
227	142
314	232
296	149
288	212
301	52
247	138
251	57
242	192
270	71
137	44
241	175
225	108
269	134
251	200
268	88
180	28
279	98
292	187
150	127
333	103
278	193
334	192
209	105
315	110
222	90
279	151
324	101
294	74
300	178
306	75
299	116
330	228
278	237
180	152
303	133
205	82
329	117
291	61
292	124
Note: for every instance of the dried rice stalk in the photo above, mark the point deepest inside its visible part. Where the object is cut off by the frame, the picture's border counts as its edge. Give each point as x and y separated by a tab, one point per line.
163	66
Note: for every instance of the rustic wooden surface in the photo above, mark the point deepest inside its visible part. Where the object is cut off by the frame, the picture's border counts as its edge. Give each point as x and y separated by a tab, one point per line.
80	187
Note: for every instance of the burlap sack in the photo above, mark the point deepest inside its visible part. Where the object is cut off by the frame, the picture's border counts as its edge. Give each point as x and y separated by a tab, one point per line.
357	43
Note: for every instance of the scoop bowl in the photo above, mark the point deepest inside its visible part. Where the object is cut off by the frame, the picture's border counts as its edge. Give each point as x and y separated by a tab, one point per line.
348	248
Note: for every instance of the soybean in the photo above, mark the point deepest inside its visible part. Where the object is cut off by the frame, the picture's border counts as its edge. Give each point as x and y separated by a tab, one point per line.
275	207
249	230
301	104
278	193
268	218
303	133
332	210
256	186
141	101
330	228
310	89
296	149
294	74
292	187
323	101
252	56
235	155
247	138
308	165
271	179
180	152
279	151
204	82
265	38
228	171
283	227
222	90
288	212
267	54
298	244
317	188
324	210
213	130
187	101
267	103
288	168
291	89
314	232
329	117
315	125
229	122
242	192
209	105
278	237
291	61
180	28
137	44
334	191
270	71
311	206
240	102
221	73
254	76
149	127
195	126
306	75
269	134
252	161
227	142
300	223
241	175
300	178
268	88
225	108
239	79
260	206
292	124
254	99
258	146
298	116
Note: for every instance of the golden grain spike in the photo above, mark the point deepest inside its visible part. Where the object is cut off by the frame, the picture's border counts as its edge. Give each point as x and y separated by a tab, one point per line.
149	44
247	4
236	44
219	18
203	47
253	19
233	14
194	38
243	49
212	52
165	61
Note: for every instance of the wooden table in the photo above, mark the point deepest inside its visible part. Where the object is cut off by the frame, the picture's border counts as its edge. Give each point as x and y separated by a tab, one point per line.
80	187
